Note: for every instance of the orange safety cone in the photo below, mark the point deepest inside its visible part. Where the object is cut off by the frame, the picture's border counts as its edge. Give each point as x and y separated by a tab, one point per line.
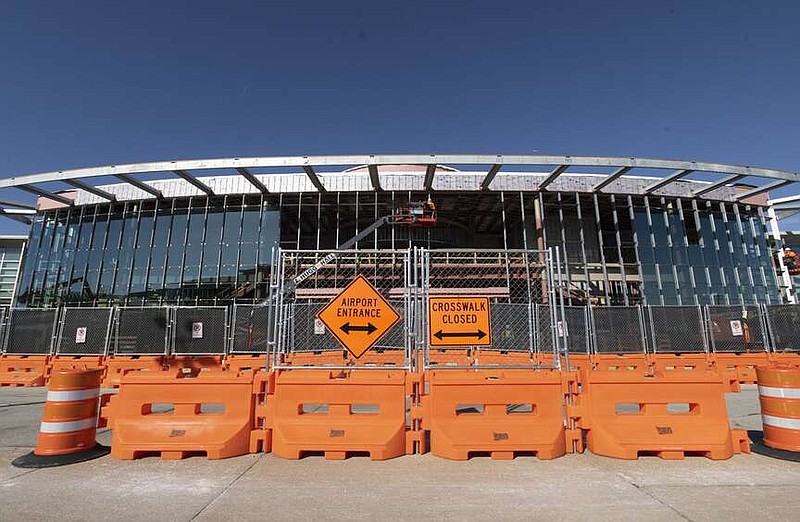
69	423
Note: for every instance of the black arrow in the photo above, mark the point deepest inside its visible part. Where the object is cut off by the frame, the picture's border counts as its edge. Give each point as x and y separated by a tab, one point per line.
480	334
347	328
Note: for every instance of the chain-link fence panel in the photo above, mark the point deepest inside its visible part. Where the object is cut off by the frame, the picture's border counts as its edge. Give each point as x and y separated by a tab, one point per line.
455	285
577	329
84	331
251	328
512	325
141	331
676	329
617	329
784	326
377	284
736	328
309	334
199	330
30	331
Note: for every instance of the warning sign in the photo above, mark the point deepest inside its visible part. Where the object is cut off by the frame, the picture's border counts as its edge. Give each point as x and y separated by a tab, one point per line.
80	335
359	316
736	328
460	321
197	330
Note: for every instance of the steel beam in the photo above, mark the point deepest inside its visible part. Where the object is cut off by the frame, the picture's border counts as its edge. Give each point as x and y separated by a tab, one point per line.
611	178
140	185
246	174
721	183
373	176
91	189
490	176
194	181
675	176
17	204
46	194
430	171
552	176
312	175
18	215
396	159
764	188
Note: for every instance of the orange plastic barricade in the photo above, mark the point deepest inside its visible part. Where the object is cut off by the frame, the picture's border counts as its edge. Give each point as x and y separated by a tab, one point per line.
500	412
207	363
119	365
71	362
670	414
239	363
618	361
680	361
743	365
779	394
69	422
23	370
178	414
338	413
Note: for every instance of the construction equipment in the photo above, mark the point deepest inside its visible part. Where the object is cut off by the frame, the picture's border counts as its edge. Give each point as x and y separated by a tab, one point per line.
421	214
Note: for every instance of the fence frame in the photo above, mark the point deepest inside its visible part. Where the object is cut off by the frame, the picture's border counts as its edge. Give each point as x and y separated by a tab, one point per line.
173	338
549	294
167	330
53	331
61	318
283	301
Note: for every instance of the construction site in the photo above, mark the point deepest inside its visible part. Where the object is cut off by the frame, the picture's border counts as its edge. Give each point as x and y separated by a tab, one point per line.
525	337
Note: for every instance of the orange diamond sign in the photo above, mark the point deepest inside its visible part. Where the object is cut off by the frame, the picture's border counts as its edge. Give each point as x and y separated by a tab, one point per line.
359	316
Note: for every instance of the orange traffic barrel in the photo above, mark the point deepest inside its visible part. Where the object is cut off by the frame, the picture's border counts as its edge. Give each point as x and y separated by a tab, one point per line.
779	395
69	423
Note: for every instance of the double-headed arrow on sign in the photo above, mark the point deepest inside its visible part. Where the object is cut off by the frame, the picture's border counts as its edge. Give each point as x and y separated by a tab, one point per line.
347	328
480	334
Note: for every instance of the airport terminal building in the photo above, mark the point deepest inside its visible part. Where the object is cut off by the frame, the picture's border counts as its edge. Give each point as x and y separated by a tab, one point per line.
203	232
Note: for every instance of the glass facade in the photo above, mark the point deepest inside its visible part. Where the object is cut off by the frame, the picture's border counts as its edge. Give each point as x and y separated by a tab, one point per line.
617	249
190	251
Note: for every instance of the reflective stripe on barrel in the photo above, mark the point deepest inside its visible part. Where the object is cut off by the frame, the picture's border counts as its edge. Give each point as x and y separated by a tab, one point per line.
779	395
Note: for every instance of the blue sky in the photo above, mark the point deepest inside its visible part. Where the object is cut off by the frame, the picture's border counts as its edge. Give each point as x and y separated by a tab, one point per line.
112	82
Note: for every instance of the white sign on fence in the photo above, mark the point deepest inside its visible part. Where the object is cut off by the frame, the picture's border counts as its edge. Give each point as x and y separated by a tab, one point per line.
197	330
80	335
319	327
736	328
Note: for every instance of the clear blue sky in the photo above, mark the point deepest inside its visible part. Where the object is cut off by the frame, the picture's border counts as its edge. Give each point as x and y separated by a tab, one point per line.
99	83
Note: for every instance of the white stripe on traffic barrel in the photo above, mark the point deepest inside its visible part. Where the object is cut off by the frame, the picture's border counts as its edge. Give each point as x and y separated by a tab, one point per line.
76	395
780	422
65	427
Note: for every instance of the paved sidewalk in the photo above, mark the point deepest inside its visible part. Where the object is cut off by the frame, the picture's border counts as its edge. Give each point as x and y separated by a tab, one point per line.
585	487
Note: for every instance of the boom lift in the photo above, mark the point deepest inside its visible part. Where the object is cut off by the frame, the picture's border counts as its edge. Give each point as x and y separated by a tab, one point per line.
416	214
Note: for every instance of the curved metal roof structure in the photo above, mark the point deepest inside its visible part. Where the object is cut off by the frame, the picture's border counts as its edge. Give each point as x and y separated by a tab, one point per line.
553	167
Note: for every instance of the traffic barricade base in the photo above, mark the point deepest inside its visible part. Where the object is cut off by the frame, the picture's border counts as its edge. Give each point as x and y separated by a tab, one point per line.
23	370
245	362
185	363
178	414
668	414
338	413
75	362
501	413
118	365
743	365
